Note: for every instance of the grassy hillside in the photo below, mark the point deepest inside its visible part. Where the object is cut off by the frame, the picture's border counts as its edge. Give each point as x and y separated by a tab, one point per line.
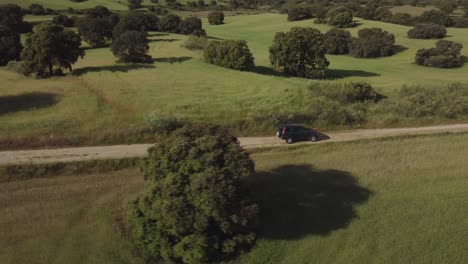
101	95
386	201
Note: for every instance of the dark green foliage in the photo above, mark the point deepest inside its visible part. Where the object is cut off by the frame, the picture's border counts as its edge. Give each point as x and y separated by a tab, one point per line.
216	18
337	41
63	20
190	25
134	4
300	52
436	17
170	23
447	6
299	13
10	45
196	209
96	31
98	11
402	19
383	14
446	54
342	20
427	31
136	21
50	49
233	54
372	43
132	46
11	16
37	10
461	22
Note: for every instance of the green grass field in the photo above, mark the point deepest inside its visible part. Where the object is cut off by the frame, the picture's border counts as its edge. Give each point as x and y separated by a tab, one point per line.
397	200
102	96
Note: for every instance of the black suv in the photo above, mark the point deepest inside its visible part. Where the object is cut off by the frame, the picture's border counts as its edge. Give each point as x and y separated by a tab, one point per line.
292	133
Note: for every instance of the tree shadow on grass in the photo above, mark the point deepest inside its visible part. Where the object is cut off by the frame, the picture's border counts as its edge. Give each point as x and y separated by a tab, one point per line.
27	101
399	49
333	74
158	34
298	200
263	70
172	59
111	68
163	40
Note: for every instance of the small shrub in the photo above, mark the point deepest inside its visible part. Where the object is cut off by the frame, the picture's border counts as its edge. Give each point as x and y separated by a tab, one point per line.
170	23
160	124
234	54
190	25
195	43
216	18
427	31
342	20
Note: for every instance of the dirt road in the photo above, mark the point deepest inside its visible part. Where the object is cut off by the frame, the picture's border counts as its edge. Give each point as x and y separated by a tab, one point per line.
139	150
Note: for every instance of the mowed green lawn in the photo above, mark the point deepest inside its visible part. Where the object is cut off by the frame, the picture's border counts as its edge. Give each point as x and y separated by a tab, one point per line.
103	96
387	201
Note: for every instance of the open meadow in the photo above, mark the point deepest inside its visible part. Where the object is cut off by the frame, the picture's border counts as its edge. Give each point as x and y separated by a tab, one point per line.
101	96
400	200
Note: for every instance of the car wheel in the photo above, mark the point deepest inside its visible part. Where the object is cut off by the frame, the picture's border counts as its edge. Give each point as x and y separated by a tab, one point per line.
289	141
313	138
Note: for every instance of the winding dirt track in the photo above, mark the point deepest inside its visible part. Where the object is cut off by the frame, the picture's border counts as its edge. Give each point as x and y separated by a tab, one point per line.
140	150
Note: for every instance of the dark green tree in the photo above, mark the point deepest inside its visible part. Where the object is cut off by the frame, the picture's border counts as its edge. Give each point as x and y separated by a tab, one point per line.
342	20
190	25
216	18
63	20
196	209
50	49
300	52
10	45
234	54
11	16
170	23
436	17
37	9
136	21
373	43
134	4
427	31
337	41
132	46
299	13
97	26
446	54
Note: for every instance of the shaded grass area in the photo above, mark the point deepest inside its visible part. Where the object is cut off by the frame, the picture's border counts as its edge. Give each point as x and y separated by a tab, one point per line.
33	171
399	200
26	101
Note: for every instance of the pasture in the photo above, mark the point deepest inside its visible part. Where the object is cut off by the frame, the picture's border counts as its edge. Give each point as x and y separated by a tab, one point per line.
101	96
400	200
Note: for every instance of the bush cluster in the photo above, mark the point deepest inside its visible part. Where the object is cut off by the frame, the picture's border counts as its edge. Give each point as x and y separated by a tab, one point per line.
299	13
233	54
427	31
372	43
446	54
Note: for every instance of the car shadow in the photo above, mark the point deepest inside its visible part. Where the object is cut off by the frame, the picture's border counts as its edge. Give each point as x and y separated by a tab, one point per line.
27	101
298	200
